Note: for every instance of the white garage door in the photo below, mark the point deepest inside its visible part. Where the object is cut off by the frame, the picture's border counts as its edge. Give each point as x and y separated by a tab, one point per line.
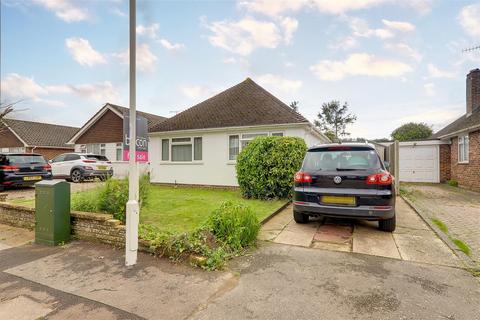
419	163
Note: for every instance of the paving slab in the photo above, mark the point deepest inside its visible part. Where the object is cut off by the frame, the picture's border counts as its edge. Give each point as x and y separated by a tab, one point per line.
154	288
297	234
408	218
12	236
425	246
339	234
371	241
23	308
344	247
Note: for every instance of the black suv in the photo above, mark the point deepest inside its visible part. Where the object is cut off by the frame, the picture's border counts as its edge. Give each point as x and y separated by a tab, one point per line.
345	181
23	169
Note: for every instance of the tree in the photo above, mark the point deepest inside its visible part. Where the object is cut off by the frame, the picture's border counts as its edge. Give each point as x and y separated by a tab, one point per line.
333	119
412	131
294	105
5	109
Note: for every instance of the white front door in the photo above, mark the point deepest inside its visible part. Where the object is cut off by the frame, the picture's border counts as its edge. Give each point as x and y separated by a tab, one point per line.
419	163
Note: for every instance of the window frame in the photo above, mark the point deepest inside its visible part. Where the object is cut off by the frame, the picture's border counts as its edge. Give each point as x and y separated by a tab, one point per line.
241	138
172	143
463	144
119	147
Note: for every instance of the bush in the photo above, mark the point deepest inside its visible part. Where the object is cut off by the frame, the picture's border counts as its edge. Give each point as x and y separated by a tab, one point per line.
113	196
234	224
86	201
266	166
453	183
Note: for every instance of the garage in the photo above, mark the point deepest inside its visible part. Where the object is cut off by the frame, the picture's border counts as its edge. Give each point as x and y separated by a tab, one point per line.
419	161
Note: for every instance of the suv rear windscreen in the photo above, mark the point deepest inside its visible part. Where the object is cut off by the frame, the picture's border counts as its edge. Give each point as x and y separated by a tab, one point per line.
19	159
341	159
96	157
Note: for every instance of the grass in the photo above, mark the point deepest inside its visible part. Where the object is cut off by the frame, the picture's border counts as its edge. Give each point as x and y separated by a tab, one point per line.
442	226
462	246
183	209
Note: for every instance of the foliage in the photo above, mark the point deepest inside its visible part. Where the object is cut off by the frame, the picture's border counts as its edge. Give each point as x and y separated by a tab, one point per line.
462	246
453	183
412	131
86	201
294	105
333	120
442	226
236	225
265	167
5	109
113	196
229	230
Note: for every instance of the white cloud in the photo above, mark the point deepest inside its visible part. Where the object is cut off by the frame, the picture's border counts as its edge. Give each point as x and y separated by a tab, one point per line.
469	19
146	60
171	46
150	31
18	87
359	64
342	6
229	60
66	10
429	89
360	28
344	44
405	50
244	36
420	6
273	7
399	25
197	92
434	72
83	53
279	84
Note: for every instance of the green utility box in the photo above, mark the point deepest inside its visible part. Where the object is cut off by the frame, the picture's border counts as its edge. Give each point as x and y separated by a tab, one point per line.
52	212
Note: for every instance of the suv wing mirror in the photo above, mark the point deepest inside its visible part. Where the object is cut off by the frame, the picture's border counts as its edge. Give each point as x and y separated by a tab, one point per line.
387	165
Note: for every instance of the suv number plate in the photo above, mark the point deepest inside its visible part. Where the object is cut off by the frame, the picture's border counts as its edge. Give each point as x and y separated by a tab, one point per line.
345	200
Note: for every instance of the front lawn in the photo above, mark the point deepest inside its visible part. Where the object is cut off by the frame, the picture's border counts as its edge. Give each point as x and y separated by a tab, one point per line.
183	209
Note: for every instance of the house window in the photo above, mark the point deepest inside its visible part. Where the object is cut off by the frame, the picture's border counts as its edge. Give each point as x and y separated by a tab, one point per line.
247	137
233	147
102	149
119	151
236	144
463	146
277	134
182	149
93	148
165	149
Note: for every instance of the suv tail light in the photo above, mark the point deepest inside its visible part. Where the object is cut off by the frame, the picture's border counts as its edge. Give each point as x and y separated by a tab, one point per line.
302	177
89	161
9	168
380	179
47	167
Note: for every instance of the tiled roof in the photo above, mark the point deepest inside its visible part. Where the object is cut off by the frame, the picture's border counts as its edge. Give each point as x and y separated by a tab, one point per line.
41	134
244	104
152	119
460	124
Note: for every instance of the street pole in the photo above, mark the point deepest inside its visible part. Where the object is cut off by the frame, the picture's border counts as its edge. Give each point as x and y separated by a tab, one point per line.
131	236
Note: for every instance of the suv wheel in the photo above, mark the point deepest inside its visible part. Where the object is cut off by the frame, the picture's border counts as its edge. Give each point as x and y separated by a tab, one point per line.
387	225
76	176
300	217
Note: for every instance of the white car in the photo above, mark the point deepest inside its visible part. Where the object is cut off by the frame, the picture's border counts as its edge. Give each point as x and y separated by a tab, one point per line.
77	167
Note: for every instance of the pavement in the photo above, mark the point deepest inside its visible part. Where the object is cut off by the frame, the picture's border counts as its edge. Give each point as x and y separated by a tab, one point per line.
84	280
457	208
412	240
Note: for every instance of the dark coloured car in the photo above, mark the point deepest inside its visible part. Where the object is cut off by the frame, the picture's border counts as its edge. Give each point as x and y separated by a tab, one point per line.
23	169
345	181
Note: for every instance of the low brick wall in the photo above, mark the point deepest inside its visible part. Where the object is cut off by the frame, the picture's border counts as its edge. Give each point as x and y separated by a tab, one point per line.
97	227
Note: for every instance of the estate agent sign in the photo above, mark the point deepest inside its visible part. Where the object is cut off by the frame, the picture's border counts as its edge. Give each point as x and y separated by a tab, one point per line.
141	145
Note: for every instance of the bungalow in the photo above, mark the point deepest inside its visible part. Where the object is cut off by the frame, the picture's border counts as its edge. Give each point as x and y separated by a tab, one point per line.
103	134
46	139
200	145
460	157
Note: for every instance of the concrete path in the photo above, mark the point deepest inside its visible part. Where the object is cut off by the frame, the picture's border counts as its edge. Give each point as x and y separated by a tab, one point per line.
413	240
88	281
457	208
13	237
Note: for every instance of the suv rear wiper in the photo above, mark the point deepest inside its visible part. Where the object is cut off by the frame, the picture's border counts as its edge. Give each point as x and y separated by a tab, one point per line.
349	169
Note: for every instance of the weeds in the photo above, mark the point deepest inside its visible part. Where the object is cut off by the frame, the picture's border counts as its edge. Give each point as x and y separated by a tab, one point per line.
462	246
442	226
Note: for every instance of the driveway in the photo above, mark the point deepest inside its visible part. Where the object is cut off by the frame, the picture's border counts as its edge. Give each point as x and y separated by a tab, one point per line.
458	209
413	240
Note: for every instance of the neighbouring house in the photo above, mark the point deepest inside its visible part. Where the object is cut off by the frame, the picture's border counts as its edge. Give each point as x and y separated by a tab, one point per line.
452	153
460	158
200	145
46	139
103	134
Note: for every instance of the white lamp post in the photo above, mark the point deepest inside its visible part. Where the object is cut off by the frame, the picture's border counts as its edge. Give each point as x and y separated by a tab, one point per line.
133	208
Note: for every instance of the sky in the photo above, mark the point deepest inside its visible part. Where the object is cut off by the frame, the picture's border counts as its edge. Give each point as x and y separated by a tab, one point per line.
392	61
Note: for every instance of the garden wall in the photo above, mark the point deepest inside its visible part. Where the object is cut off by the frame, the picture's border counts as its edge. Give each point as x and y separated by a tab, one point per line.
97	227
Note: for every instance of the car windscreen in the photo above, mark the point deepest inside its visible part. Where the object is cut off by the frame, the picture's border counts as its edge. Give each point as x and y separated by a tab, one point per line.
19	159
96	157
341	160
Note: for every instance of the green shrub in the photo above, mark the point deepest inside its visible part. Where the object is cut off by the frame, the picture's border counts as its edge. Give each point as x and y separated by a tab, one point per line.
86	201
113	196
234	224
266	166
453	183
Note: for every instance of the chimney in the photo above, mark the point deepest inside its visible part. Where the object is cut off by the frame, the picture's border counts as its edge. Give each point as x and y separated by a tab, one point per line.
473	91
